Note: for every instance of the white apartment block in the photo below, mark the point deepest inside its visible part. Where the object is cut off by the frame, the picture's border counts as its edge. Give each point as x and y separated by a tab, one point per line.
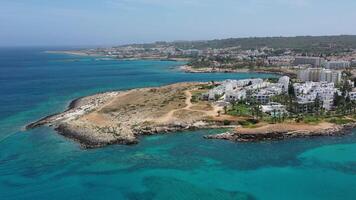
261	91
307	93
273	107
320	74
313	61
284	80
337	64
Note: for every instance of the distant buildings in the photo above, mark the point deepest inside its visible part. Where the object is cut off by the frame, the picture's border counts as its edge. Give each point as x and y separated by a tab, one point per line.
319	74
337	64
313	61
280	60
192	52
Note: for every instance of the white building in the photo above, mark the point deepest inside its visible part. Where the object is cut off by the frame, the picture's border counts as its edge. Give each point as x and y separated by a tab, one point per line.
273	107
337	64
331	76
313	61
284	80
232	96
308	92
263	97
352	96
236	90
319	74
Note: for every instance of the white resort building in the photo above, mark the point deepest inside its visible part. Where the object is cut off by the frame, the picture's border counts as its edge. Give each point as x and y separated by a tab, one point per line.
320	74
259	90
308	92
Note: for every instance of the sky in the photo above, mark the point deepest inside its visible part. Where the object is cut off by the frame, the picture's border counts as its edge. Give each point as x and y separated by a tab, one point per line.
114	22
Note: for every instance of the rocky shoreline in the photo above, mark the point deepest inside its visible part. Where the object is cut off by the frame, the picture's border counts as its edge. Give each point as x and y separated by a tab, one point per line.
271	135
89	54
123	117
189	69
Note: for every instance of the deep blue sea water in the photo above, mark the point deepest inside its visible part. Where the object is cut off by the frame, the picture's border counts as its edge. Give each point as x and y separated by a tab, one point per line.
39	164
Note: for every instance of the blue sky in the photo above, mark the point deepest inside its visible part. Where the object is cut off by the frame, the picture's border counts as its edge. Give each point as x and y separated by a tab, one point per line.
111	22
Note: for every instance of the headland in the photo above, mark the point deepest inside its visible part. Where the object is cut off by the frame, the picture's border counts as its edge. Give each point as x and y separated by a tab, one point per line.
122	117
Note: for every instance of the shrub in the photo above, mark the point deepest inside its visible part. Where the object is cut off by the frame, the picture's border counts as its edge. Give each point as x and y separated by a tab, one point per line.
340	121
227	122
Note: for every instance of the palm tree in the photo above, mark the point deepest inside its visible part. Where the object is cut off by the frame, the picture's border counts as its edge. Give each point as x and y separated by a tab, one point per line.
284	116
274	116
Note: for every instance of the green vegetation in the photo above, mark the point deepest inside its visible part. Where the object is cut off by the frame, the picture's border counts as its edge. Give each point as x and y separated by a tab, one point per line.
273	80
311	120
339	120
249	123
240	109
227	122
196	96
207	87
302	44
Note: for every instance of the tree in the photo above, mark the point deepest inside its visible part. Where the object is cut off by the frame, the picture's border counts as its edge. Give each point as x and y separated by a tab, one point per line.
291	91
300	118
274	115
346	88
217	97
317	104
338	99
284	116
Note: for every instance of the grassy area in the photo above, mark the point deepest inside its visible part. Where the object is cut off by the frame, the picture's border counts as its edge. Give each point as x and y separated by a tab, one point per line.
239	110
312	120
340	120
249	123
196	95
207	87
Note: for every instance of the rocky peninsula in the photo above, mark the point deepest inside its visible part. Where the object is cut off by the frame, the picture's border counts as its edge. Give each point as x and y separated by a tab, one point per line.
121	117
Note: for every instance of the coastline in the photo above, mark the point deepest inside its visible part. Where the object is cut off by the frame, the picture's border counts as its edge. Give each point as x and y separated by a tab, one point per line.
86	121
81	53
282	134
190	69
119	117
185	68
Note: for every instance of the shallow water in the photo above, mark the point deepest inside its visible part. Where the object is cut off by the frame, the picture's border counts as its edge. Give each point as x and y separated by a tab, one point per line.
39	164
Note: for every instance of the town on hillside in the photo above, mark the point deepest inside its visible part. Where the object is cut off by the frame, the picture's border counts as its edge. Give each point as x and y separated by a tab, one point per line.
327	51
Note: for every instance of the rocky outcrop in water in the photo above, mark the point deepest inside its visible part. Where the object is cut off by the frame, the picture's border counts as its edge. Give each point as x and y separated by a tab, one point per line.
336	130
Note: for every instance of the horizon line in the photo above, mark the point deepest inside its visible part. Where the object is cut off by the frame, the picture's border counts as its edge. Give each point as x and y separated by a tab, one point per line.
168	41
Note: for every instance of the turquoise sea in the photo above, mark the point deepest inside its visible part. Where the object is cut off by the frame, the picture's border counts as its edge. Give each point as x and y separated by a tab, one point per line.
39	164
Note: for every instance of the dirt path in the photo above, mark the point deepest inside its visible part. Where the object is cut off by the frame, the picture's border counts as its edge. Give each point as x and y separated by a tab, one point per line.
170	115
